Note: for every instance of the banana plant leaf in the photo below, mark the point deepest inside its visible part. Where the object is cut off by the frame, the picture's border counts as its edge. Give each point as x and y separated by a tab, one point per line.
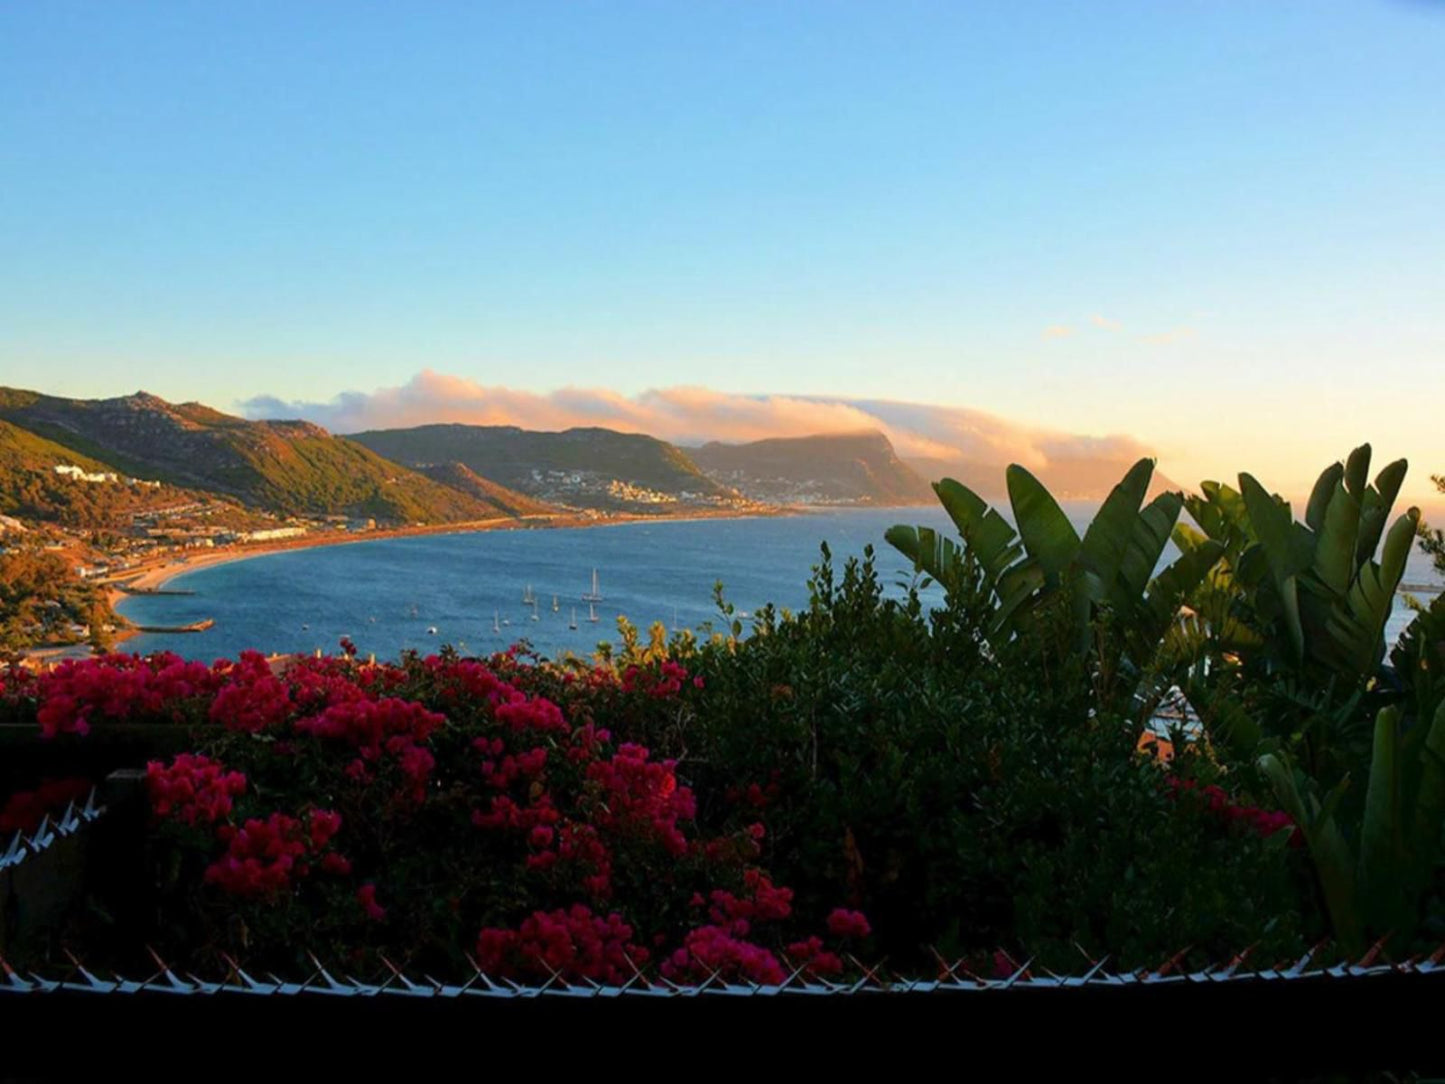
1047	534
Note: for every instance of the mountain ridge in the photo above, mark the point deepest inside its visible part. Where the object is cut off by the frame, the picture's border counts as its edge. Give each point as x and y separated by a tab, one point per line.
861	467
586	466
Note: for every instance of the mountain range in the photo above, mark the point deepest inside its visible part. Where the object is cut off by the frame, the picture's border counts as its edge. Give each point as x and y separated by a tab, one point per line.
842	468
573	466
428	473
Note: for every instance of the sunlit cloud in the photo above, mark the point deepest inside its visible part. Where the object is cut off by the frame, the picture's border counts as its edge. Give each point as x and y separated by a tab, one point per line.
939	438
1104	323
1167	338
1058	331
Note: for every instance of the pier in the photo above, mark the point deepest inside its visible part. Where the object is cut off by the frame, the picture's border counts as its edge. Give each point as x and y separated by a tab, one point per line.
194	626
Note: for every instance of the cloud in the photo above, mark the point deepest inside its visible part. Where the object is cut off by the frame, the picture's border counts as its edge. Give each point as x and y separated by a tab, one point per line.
1058	331
952	437
1105	323
1173	335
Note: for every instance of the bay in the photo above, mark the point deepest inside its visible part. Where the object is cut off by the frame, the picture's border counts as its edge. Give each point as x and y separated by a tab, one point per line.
387	594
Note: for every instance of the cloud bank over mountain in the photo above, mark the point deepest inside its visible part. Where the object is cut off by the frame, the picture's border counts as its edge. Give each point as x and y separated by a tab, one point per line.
972	445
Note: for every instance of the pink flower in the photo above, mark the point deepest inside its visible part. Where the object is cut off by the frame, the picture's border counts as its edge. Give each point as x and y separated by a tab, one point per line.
366	896
844	923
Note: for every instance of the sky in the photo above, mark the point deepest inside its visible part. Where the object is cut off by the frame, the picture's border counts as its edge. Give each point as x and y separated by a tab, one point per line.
1214	229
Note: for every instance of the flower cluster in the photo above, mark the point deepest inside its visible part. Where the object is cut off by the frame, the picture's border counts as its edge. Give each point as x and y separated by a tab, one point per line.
264	858
842	923
584	849
193	789
663	682
120	688
572	943
642	797
1262	822
398	728
24	810
722	948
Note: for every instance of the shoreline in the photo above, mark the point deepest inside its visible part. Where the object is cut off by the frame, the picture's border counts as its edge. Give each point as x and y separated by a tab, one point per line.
156	578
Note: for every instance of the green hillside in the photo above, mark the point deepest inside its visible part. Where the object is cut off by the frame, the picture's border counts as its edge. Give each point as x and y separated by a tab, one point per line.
521	459
280	467
505	501
31	489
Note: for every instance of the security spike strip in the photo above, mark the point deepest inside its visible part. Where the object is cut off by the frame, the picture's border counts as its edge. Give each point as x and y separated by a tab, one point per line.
870	975
175	983
1232	968
1021	973
873	980
1162	972
14	852
636	977
1303	963
410	988
1088	976
1372	955
68	822
481	976
945	970
332	986
43	836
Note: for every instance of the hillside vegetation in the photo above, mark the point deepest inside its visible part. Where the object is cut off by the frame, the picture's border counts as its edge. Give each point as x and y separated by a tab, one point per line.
520	459
284	467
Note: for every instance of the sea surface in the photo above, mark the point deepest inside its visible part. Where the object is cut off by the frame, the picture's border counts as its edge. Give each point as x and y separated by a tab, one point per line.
388	594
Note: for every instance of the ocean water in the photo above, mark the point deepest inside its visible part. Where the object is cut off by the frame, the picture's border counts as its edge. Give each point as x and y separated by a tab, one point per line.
387	594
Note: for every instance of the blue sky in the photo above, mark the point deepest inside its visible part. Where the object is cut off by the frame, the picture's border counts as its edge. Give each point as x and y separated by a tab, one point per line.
1219	227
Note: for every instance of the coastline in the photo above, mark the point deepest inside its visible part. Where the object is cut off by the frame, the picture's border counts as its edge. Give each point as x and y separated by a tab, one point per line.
156	577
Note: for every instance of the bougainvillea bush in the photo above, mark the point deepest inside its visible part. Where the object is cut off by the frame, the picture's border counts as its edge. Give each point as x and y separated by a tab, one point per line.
437	812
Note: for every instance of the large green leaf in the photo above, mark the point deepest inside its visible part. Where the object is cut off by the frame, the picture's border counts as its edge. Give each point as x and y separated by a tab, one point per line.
1430	796
1335	541
1152	530
932	553
963	505
1106	541
1356	625
1382	838
1375	509
1016	589
984	531
1320	497
1048	536
1329	852
1174	584
1357	471
1274	527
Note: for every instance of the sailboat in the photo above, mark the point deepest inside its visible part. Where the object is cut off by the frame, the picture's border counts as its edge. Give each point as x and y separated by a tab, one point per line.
555	607
594	595
496	622
592	612
527	597
573	623
535	617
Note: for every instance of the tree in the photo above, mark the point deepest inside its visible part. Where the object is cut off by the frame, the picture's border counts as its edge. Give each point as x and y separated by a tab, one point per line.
1432	539
102	638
